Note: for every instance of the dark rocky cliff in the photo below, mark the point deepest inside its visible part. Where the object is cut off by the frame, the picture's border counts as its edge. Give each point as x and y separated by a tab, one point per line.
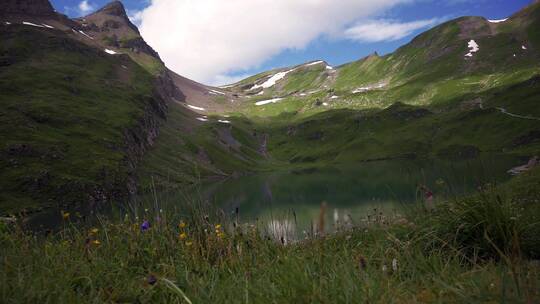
28	7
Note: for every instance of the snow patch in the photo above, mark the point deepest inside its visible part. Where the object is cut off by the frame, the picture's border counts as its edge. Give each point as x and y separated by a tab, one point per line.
325	104
202	119
473	48
498	20
303	94
334	97
224	121
214	92
271	81
32	24
329	67
260	93
314	63
86	35
263	102
7	23
110	52
196	108
47	26
523	47
369	88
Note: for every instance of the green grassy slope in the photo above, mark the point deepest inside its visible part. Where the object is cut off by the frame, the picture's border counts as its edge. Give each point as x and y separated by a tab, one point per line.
427	99
433	68
188	150
408	131
65	110
430	70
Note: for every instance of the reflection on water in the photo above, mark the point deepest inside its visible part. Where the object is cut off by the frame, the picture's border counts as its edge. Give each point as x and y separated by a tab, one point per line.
351	192
288	202
282	230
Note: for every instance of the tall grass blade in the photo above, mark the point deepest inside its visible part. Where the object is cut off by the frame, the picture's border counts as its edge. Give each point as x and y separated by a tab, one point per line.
176	289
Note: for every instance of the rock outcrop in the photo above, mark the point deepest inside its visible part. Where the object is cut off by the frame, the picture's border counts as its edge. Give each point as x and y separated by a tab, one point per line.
26	7
112	25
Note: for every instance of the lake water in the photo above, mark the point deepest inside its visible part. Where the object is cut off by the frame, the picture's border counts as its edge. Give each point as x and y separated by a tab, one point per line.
351	192
294	197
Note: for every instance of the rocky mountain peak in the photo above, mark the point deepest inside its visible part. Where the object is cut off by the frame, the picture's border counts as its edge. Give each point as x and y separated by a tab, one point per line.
26	7
115	8
112	16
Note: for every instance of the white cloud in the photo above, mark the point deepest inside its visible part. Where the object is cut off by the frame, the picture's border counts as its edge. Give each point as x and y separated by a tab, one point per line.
85	7
386	30
135	16
204	38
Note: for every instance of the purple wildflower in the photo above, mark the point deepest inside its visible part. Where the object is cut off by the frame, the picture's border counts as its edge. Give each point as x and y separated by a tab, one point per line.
151	280
145	225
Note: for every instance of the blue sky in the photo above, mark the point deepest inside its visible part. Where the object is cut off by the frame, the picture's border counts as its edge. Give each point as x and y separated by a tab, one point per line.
218	60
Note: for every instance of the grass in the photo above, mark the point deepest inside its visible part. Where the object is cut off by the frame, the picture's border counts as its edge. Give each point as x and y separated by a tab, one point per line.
467	250
501	62
63	104
187	150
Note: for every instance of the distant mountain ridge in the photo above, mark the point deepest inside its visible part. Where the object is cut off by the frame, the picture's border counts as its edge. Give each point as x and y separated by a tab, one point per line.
432	68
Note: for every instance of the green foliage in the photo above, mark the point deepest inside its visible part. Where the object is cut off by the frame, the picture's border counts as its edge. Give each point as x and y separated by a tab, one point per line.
65	108
487	225
187	150
432	256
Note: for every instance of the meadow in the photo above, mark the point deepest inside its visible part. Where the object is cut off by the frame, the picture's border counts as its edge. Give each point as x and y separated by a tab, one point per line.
483	248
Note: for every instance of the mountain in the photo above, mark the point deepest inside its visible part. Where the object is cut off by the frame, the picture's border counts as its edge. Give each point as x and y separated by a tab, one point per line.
111	27
28	8
90	113
85	101
465	55
467	86
75	120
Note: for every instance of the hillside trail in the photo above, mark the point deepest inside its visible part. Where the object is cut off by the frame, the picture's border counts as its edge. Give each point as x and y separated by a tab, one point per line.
505	112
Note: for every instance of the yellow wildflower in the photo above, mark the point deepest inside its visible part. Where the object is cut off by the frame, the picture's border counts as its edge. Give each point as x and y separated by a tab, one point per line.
218	226
94	231
96	242
182	224
182	235
189	243
221	235
65	215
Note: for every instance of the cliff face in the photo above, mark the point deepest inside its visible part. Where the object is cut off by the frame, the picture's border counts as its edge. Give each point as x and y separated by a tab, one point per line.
112	25
28	7
140	138
88	154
